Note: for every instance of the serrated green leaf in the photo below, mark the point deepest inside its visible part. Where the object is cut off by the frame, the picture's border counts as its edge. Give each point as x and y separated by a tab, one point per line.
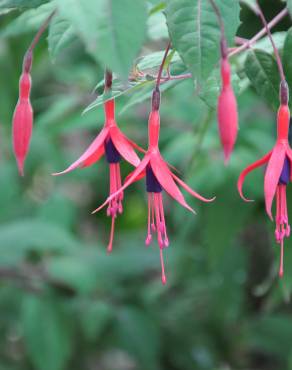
61	35
47	333
112	30
261	69
195	33
28	21
21	3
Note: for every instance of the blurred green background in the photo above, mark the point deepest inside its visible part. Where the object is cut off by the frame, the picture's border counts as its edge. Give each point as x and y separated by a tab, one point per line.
66	304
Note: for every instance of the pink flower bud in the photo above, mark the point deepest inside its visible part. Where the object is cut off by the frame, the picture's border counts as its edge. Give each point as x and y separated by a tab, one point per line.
22	122
227	112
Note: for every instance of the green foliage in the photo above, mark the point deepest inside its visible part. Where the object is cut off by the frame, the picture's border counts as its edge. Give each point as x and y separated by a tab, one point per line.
194	31
111	39
261	69
48	332
21	3
66	304
61	35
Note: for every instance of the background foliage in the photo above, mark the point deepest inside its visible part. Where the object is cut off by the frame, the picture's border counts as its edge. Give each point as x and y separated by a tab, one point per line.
64	303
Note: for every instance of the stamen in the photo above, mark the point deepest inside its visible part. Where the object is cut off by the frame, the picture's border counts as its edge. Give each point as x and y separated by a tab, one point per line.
158	222
282	223
110	244
153	227
281	269
163	276
149	236
166	241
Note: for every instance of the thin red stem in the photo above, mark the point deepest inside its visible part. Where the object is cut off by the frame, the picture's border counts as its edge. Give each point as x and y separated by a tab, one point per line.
218	14
252	41
161	66
27	61
277	55
41	31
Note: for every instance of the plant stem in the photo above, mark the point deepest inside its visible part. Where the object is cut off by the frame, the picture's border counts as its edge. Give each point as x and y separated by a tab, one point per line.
108	80
252	41
277	55
156	91
218	14
41	31
161	66
27	60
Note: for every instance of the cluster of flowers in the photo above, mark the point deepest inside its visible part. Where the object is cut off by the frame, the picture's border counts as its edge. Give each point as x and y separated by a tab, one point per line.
115	146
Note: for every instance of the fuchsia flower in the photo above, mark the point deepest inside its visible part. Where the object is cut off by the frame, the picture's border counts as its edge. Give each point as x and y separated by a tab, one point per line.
277	176
22	122
158	177
227	108
23	116
115	145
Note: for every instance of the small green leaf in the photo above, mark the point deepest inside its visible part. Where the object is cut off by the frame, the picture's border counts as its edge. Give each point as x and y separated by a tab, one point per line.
195	33
112	30
261	69
47	333
61	35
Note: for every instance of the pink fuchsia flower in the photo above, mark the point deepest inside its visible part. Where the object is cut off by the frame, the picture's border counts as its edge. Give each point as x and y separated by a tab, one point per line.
23	116
227	108
277	176
112	143
159	177
22	122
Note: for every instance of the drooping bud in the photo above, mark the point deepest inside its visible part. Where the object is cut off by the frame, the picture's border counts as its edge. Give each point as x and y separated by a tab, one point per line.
227	112
22	122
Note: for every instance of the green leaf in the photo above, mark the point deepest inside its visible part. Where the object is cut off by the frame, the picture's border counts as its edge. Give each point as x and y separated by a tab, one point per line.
61	35
287	61
28	21
112	30
94	319
21	3
195	33
20	237
261	69
133	329
47	332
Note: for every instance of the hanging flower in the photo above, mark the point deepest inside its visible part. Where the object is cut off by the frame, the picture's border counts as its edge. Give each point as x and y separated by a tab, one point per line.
159	177
23	117
115	145
227	107
22	122
277	177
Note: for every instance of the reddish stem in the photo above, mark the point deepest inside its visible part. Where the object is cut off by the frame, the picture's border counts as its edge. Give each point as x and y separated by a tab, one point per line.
27	61
277	55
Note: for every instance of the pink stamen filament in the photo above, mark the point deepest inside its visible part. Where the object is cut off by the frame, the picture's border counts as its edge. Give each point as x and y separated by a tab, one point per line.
163	276
115	207
282	223
156	217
